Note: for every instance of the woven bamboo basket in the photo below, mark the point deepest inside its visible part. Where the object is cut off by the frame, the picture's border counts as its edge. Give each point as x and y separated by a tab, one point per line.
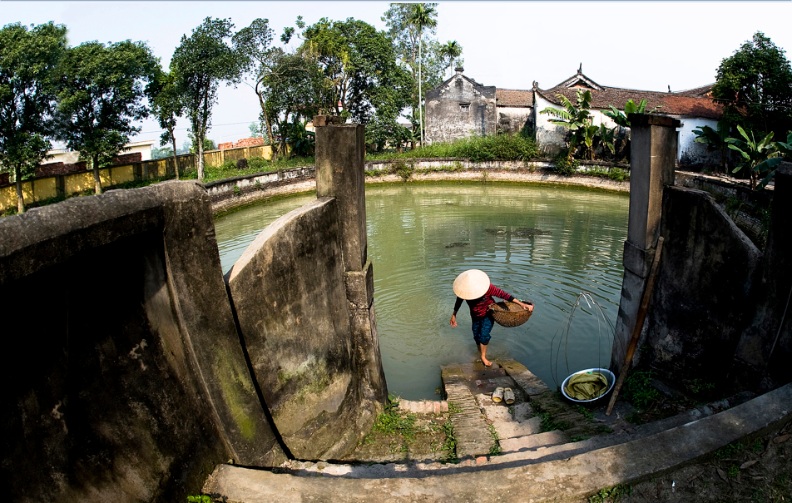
509	314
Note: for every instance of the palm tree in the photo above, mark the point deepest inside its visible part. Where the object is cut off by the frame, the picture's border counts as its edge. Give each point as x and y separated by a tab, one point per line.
451	51
421	16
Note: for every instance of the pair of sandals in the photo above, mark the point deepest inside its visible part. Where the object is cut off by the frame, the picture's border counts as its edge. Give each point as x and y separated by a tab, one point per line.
503	395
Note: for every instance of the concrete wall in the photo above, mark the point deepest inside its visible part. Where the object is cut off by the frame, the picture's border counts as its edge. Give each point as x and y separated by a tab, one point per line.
515	119
700	308
141	377
133	386
718	311
460	108
287	289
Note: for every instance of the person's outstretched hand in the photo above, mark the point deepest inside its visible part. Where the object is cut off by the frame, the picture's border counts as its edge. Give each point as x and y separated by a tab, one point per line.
525	305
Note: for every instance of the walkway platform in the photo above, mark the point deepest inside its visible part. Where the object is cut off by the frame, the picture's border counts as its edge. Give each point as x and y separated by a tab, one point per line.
504	453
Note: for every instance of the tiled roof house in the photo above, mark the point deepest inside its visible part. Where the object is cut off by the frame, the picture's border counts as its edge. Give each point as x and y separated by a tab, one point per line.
518	109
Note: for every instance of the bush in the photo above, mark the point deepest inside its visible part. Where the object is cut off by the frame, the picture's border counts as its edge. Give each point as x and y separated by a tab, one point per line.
565	164
504	147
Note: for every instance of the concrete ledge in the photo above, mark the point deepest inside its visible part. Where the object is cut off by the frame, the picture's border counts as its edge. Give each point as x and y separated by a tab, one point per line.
560	480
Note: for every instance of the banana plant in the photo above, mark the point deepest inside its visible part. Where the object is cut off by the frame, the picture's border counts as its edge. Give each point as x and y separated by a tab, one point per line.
573	116
755	155
767	168
621	118
715	140
621	132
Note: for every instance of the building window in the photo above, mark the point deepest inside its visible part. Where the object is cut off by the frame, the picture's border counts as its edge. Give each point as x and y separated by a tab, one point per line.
464	107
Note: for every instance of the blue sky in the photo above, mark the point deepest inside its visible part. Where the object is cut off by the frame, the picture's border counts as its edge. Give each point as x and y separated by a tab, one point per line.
638	45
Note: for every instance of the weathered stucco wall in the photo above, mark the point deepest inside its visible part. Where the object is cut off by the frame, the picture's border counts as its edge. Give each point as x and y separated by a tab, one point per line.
692	153
134	385
460	108
287	289
515	119
703	291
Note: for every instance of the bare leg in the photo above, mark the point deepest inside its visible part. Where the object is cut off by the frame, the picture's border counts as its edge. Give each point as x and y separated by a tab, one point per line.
483	352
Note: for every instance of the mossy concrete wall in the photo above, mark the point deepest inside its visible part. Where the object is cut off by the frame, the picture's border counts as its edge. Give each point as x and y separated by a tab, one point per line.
303	293
134	385
719	315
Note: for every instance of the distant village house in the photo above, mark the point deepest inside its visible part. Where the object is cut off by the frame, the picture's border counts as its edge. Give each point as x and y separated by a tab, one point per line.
460	107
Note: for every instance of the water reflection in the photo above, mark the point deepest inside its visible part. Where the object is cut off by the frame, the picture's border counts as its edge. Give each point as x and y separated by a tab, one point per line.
543	243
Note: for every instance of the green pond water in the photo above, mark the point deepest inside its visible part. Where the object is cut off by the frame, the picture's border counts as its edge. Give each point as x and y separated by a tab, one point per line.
544	243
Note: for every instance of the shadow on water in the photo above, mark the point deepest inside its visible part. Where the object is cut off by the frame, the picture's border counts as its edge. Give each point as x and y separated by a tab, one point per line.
543	243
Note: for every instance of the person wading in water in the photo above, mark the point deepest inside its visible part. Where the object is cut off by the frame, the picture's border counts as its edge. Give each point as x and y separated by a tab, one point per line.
474	286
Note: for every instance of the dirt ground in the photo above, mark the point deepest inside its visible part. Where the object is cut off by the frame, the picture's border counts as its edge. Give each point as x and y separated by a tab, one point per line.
754	470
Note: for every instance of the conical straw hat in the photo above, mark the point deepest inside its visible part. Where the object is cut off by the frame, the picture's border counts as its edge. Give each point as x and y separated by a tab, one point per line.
471	284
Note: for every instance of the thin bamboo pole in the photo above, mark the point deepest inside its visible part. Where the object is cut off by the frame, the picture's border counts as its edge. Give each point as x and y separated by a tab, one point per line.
639	321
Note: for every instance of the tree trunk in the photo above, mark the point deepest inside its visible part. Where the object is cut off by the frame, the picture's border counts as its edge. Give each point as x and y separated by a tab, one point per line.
199	160
97	179
175	159
420	97
18	184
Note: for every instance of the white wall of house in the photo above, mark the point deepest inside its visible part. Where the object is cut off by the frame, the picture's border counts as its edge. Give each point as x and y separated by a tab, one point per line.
688	151
72	157
513	119
143	147
549	136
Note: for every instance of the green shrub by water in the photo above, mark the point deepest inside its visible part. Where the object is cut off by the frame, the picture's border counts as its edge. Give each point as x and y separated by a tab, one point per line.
502	147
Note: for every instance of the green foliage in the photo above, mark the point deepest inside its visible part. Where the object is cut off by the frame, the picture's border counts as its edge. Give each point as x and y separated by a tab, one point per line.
611	494
411	27
200	498
393	421
28	58
757	157
403	170
613	173
495	448
480	148
167	106
755	85
576	118
715	140
359	67
101	97
639	391
199	64
450	442
565	164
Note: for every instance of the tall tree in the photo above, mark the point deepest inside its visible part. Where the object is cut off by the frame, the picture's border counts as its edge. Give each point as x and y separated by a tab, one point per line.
200	63
450	52
100	95
27	96
410	26
254	45
292	91
167	106
422	16
359	64
755	85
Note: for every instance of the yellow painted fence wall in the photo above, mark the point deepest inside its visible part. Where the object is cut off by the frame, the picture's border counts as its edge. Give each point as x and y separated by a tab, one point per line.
41	189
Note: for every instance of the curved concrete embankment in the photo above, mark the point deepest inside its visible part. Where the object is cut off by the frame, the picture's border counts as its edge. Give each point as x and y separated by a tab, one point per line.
570	479
241	191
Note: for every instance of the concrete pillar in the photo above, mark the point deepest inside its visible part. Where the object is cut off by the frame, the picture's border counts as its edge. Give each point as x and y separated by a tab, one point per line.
652	158
340	149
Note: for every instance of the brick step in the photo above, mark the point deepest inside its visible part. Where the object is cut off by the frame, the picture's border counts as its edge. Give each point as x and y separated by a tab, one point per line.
424	406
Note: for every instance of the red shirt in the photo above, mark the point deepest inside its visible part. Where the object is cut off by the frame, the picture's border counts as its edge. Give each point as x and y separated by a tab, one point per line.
479	307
